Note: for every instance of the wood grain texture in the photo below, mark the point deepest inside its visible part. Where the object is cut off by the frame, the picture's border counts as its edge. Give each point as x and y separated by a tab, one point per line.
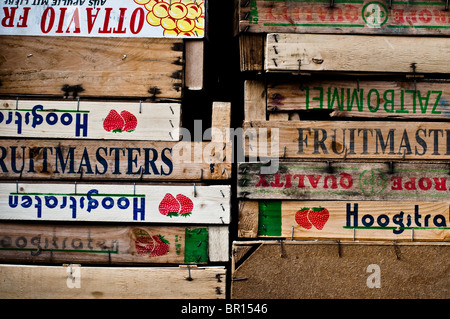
307	180
342	270
348	139
355	53
90	120
353	220
42	65
353	17
111	245
115	203
405	99
53	282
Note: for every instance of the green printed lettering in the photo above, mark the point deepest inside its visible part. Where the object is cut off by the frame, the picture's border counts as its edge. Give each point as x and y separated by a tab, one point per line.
439	93
354	97
388	101
320	98
369	96
423	102
335	97
306	89
402	103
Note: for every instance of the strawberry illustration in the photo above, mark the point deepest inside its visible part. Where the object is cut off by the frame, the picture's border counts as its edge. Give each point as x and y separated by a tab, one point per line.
150	246
113	122
318	216
301	217
160	246
130	121
186	205
143	242
169	206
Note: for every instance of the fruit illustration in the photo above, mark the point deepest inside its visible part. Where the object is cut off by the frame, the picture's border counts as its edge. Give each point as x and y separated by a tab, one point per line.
175	17
308	217
113	122
130	121
318	216
150	245
186	205
301	217
118	123
179	206
169	206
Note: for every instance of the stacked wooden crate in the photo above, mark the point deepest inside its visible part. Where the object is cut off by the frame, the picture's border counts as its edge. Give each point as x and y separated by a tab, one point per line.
96	171
348	103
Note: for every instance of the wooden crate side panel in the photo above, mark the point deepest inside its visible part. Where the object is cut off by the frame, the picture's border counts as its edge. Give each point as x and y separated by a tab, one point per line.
90	120
43	65
79	282
347	139
115	245
116	203
354	17
112	160
355	53
304	270
354	220
403	99
339	180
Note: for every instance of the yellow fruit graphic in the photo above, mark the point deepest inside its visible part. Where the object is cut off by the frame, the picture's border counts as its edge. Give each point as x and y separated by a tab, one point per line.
176	17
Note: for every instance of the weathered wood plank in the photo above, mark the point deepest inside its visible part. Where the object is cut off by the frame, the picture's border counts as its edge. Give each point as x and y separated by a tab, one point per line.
194	70
112	160
354	220
343	270
346	181
115	203
95	244
348	139
355	53
407	99
90	120
356	17
79	282
144	68
255	97
251	52
112	18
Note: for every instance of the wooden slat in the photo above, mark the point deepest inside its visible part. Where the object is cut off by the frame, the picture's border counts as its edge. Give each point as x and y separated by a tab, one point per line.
115	203
251	52
356	17
343	270
254	100
349	139
95	244
406	99
43	65
194	65
111	19
346	181
53	282
110	160
355	53
90	120
353	220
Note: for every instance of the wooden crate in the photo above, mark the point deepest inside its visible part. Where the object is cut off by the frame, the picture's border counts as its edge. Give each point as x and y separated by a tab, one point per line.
337	17
79	282
339	270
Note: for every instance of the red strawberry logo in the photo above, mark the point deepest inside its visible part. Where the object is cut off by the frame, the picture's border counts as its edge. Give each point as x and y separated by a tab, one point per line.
150	246
316	216
130	121
301	217
186	205
113	122
118	123
169	206
179	206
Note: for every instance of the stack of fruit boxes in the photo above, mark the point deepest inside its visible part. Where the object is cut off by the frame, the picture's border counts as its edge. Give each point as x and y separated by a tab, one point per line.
91	171
347	133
